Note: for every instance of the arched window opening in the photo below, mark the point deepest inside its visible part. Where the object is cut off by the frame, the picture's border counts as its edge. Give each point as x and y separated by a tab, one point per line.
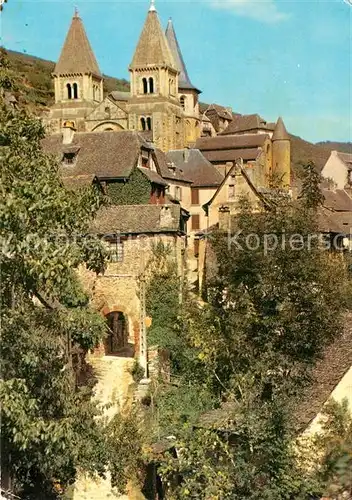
75	91
143	123
117	337
69	91
145	86
151	85
183	101
149	123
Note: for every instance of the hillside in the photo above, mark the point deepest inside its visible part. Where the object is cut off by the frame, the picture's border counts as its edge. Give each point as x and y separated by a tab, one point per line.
37	87
36	82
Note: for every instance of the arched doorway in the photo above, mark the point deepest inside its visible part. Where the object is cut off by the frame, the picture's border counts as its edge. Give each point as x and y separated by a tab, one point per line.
117	338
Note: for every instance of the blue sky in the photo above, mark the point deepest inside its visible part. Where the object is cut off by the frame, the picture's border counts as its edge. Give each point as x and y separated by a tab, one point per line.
272	57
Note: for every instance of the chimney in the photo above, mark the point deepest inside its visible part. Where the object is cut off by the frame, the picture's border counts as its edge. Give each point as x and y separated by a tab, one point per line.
68	132
186	155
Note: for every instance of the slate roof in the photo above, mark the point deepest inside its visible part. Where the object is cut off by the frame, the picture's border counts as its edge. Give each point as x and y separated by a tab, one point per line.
184	81
106	154
167	169
346	158
221	111
196	167
77	55
337	200
152	48
137	219
245	123
328	372
230	148
280	132
119	95
152	176
77	181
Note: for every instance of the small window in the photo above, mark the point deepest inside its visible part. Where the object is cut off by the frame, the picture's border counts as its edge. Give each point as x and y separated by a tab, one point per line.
69	158
143	123
149	123
195	221
115	250
231	191
178	193
151	85
69	91
183	101
75	90
195	196
145	86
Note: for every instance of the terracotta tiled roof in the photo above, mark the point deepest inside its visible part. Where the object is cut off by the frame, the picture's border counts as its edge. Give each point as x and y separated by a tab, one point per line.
77	55
245	123
106	154
184	81
196	167
328	372
137	219
168	170
152	48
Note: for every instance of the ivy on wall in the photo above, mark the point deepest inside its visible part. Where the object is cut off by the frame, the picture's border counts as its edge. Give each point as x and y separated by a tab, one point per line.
136	191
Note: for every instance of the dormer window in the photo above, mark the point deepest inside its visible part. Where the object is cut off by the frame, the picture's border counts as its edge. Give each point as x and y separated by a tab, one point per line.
69	158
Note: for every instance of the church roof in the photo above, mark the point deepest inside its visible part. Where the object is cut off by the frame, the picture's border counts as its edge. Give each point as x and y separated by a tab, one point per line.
246	123
231	147
152	48
77	55
184	81
280	132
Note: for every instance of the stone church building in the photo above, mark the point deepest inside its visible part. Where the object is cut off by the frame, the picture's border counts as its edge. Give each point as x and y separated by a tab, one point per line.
162	99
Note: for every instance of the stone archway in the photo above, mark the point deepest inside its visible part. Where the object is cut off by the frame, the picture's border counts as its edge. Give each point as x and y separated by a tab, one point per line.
108	126
117	337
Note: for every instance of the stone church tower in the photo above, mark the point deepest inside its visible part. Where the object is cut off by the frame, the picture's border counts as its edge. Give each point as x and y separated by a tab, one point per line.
77	80
187	92
154	103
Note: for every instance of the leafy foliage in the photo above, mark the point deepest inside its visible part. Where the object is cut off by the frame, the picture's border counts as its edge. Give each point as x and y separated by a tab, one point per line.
136	191
49	426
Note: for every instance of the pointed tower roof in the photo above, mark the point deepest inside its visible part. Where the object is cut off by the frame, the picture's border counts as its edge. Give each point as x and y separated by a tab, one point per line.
280	132
77	55
152	48
184	81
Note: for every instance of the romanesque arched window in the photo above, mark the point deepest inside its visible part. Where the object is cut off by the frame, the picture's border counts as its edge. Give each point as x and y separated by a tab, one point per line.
149	123
183	101
145	86
151	85
75	91
143	123
69	91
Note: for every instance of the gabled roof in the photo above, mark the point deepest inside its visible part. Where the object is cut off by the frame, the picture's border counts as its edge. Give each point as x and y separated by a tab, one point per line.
337	200
107	154
168	170
329	371
196	167
184	81
222	149
137	219
152	48
152	176
77	55
221	111
120	95
246	123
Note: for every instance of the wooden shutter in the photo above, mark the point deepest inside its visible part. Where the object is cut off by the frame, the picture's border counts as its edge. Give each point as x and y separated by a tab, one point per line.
195	221
195	196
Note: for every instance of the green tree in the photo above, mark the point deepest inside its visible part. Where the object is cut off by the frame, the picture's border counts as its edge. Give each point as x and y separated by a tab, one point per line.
275	304
48	425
